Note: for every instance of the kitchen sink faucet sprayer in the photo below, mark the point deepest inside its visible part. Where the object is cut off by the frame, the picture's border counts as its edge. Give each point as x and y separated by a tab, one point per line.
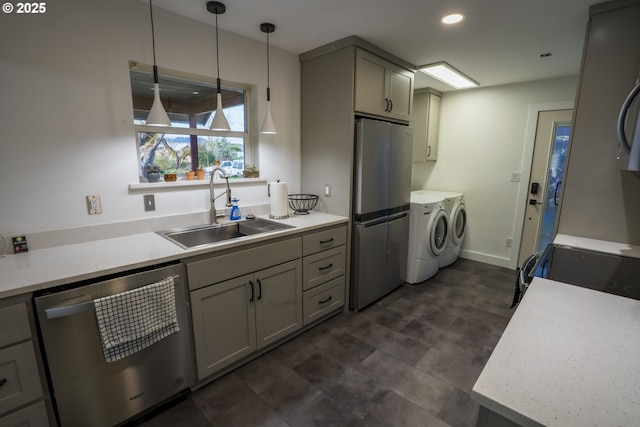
214	214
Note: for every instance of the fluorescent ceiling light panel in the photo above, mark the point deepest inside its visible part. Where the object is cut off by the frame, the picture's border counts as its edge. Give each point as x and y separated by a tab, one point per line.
449	75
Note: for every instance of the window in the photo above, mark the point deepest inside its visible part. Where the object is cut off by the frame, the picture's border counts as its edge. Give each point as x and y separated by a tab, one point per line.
188	144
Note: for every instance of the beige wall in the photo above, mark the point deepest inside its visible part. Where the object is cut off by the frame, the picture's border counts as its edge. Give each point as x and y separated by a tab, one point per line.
483	136
66	112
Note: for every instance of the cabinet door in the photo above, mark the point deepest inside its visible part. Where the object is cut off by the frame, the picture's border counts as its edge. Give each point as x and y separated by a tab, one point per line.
433	126
278	301
425	119
371	84
382	88
400	92
224	326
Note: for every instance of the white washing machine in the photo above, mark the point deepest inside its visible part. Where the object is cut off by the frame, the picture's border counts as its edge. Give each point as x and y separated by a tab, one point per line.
427	237
453	203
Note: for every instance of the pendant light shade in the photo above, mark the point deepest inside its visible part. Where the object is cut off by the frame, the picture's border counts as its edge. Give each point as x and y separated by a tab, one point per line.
219	121
268	127
157	115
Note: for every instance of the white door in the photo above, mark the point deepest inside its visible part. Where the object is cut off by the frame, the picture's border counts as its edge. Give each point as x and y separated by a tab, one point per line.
545	182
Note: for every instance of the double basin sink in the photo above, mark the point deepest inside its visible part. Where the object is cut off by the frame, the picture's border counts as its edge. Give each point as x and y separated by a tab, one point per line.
204	235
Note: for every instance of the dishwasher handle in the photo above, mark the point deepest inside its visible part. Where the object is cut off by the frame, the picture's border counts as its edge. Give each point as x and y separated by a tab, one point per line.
70	310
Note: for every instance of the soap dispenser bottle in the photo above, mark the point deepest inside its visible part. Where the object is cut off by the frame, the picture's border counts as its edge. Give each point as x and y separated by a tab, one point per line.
235	210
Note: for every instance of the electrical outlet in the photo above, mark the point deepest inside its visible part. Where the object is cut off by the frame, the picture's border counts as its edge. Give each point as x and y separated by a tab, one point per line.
515	176
509	242
149	202
93	205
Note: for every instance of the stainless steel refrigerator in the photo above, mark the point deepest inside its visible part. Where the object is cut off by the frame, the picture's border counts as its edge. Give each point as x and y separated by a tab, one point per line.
382	197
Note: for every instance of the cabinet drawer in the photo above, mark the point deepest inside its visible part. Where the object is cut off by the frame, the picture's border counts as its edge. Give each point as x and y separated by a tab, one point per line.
16	316
323	299
323	266
220	268
20	377
323	240
31	416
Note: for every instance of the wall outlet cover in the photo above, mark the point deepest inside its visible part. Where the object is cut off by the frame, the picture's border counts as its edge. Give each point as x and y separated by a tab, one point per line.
93	205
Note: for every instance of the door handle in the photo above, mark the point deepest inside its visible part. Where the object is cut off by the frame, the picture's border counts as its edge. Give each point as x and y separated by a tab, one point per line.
555	193
326	267
259	289
534	202
428	151
390	105
324	242
252	291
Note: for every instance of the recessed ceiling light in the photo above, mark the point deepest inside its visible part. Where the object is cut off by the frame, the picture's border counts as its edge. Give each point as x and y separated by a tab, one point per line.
453	18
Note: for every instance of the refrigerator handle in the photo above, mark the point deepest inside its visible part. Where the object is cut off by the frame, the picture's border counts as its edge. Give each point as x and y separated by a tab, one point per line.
374	222
398	216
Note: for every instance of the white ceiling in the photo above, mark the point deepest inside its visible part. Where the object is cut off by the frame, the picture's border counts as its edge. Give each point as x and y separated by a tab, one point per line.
500	41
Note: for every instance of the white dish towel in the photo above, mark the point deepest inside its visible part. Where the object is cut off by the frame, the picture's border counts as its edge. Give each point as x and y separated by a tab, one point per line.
136	319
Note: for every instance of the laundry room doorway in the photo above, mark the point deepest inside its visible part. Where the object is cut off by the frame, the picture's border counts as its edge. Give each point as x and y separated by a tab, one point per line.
545	181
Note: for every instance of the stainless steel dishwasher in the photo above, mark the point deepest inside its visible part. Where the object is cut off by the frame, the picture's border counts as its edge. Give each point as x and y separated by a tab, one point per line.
87	390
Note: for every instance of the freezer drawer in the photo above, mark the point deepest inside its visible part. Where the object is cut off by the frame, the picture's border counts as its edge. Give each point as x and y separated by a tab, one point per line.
397	250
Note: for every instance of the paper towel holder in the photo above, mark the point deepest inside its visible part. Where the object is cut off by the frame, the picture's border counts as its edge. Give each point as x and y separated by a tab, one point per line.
271	216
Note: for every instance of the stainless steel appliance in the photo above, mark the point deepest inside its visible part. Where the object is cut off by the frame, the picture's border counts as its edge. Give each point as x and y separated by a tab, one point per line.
382	197
88	391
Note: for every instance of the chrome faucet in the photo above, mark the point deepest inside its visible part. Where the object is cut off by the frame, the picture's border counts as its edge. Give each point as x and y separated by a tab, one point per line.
214	214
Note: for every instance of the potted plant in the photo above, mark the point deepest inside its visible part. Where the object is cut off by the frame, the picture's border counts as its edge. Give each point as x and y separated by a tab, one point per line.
200	172
152	172
250	171
190	175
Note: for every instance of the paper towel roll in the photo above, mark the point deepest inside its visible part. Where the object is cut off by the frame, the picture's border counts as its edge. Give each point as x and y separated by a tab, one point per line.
279	200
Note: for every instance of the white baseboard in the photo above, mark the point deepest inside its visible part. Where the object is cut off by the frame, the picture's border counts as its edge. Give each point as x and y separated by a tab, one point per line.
488	259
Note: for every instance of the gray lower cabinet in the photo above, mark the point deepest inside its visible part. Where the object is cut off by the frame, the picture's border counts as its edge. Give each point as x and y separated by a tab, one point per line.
21	392
324	272
235	317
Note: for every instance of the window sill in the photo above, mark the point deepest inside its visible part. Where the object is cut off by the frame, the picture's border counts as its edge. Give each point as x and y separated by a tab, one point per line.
184	185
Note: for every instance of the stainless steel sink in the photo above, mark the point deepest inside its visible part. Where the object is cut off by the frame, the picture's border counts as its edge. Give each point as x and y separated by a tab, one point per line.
204	235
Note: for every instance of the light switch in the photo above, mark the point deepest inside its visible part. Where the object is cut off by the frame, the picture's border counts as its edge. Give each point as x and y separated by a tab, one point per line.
327	190
149	202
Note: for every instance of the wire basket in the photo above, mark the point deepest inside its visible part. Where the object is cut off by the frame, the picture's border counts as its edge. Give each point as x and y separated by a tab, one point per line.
302	203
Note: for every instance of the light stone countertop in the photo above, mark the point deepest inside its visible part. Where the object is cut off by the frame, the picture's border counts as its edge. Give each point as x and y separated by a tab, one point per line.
613	248
569	357
44	268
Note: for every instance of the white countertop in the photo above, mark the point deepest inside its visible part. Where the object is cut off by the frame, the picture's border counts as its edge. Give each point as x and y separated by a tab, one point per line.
40	269
569	357
604	246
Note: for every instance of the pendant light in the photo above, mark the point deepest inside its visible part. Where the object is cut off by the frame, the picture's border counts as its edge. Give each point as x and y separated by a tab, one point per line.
157	115
219	120
268	126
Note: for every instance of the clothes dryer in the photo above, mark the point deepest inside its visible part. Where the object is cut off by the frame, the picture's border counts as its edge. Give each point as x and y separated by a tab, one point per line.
453	203
427	237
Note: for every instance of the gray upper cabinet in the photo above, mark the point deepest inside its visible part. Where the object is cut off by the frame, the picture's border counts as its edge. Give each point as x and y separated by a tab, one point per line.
382	88
425	120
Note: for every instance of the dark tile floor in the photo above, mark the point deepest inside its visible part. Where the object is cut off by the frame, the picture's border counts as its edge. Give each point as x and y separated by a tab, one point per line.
410	359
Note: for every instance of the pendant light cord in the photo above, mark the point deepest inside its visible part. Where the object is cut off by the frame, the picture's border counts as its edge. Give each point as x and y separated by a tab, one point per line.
217	56
268	77
153	44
